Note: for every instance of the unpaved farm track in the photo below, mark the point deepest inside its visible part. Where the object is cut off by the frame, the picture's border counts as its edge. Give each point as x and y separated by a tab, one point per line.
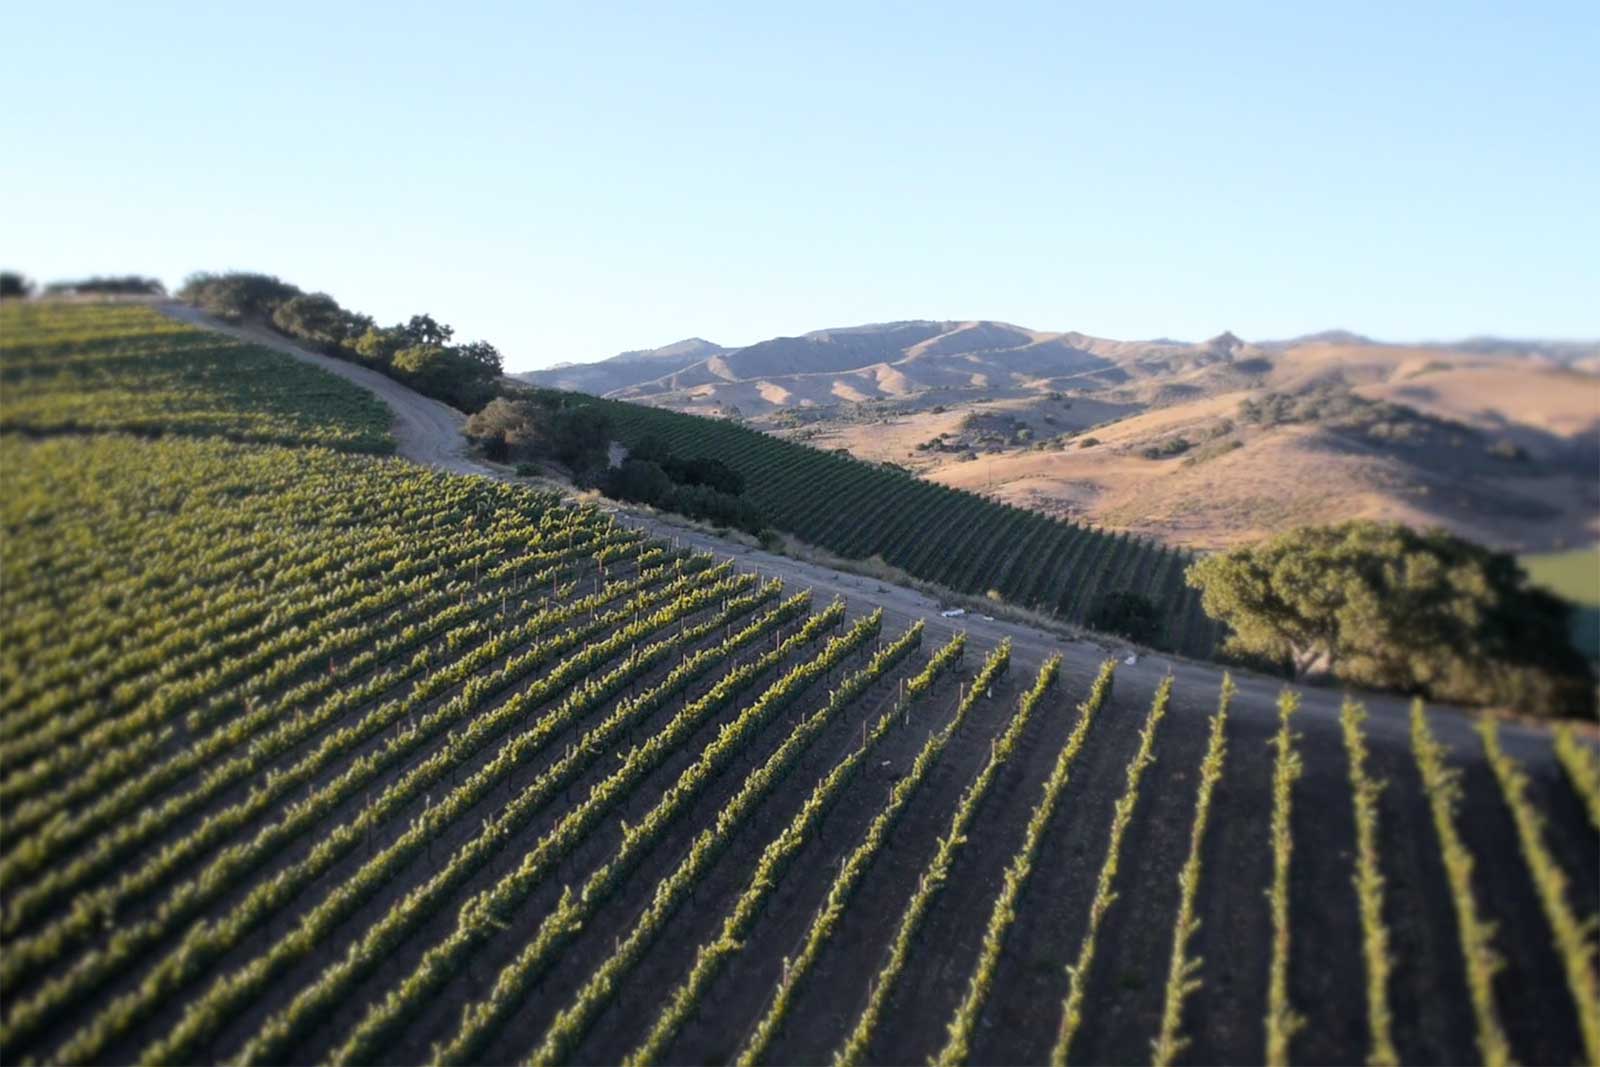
427	431
430	432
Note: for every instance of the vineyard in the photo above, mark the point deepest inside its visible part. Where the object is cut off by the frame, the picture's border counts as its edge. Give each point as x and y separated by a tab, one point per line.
946	536
125	369
310	755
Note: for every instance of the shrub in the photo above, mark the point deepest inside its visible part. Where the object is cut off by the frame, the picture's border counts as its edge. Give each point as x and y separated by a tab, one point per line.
446	374
13	284
423	366
1211	450
1126	614
238	296
1172	446
723	509
417	352
652	448
707	472
376	347
1332	404
124	285
545	425
319	320
423	330
639	480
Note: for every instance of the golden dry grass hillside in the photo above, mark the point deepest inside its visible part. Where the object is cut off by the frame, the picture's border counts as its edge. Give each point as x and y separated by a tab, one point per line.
1202	445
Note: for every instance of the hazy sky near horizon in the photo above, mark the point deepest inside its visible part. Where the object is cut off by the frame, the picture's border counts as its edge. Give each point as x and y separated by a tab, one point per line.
572	180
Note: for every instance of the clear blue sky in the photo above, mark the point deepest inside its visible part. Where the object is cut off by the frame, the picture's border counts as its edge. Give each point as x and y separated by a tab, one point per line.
575	179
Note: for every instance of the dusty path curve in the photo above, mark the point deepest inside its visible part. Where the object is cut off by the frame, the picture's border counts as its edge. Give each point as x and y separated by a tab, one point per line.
430	432
427	431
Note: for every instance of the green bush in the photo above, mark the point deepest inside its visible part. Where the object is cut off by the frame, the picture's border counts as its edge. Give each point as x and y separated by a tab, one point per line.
377	346
1332	404
418	352
641	481
544	425
123	285
1211	450
714	506
1172	446
711	473
238	296
445	374
1127	615
317	319
424	330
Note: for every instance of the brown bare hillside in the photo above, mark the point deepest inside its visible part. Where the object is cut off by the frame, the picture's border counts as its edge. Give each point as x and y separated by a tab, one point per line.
1512	464
1200	444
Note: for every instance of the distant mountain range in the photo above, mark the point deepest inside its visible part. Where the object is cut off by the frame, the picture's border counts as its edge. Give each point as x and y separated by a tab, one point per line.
625	368
1151	435
903	359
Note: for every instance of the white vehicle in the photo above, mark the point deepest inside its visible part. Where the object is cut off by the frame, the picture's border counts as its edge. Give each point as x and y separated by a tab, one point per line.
953	613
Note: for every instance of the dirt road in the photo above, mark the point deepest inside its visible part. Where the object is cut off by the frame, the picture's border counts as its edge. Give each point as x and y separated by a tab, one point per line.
427	431
430	433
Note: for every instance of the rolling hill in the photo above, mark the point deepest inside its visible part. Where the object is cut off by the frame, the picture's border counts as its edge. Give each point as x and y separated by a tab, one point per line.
958	541
895	359
900	360
1493	439
310	754
626	368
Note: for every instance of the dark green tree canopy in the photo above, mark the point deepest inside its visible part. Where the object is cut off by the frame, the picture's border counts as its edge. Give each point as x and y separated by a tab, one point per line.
1386	606
376	347
318	319
544	424
444	373
425	330
1127	614
481	355
540	425
417	351
115	285
238	296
